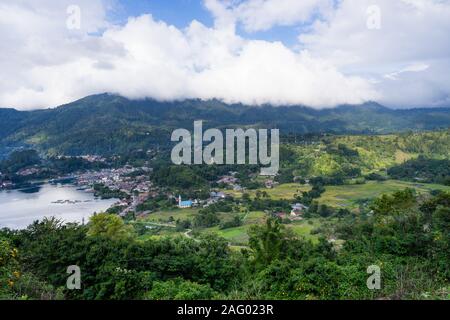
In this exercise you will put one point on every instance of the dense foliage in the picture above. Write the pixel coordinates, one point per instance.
(108, 124)
(405, 235)
(42, 168)
(106, 193)
(341, 158)
(18, 160)
(423, 170)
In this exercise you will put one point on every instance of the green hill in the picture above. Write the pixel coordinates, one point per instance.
(108, 124)
(353, 155)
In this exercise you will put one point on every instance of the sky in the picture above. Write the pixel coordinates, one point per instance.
(318, 53)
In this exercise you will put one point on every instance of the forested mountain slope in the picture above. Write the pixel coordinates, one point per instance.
(108, 124)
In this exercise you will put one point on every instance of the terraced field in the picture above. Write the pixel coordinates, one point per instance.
(348, 195)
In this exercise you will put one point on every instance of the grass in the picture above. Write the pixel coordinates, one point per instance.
(401, 156)
(161, 234)
(238, 235)
(255, 217)
(336, 196)
(347, 196)
(164, 216)
(304, 228)
(283, 191)
(37, 139)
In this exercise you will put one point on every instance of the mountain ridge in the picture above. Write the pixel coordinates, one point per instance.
(107, 123)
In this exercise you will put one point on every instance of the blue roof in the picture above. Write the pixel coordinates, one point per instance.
(186, 203)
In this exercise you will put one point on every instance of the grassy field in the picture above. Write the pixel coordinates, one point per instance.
(239, 235)
(303, 228)
(255, 217)
(347, 196)
(164, 216)
(163, 232)
(236, 236)
(283, 191)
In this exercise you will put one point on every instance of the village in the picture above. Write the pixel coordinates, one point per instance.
(133, 188)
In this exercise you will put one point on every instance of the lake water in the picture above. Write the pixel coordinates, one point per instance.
(19, 208)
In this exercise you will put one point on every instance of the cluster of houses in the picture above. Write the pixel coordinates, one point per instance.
(297, 212)
(89, 158)
(6, 184)
(29, 171)
(270, 184)
(133, 202)
(230, 181)
(118, 179)
(214, 197)
(137, 186)
(93, 158)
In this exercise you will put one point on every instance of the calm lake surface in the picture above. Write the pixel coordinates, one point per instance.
(19, 208)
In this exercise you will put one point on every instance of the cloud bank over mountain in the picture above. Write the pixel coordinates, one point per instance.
(397, 53)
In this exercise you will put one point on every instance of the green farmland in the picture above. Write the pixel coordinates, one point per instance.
(347, 196)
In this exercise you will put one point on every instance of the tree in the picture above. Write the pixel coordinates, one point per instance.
(109, 226)
(206, 219)
(267, 241)
(394, 204)
(19, 160)
(325, 211)
(9, 272)
(179, 289)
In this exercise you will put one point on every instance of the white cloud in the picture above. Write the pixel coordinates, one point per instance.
(35, 37)
(412, 68)
(412, 33)
(148, 58)
(261, 15)
(338, 60)
(270, 73)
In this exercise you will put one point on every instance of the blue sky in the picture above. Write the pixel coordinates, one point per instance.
(181, 13)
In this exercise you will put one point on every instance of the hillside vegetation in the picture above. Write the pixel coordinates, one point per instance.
(108, 124)
(278, 263)
(351, 156)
